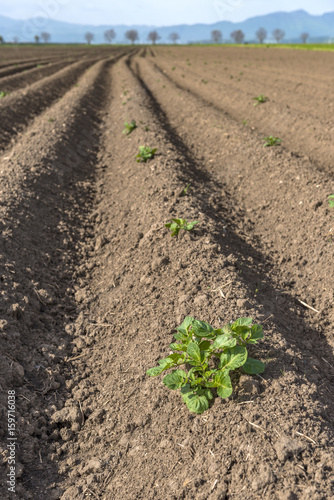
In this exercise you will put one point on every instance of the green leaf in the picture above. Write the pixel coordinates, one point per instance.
(243, 322)
(180, 336)
(202, 329)
(171, 361)
(224, 385)
(204, 345)
(178, 347)
(233, 358)
(180, 222)
(331, 200)
(253, 366)
(194, 352)
(153, 372)
(196, 381)
(191, 225)
(197, 403)
(208, 394)
(256, 334)
(175, 380)
(224, 341)
(187, 322)
(225, 329)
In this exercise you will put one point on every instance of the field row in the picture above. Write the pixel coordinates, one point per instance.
(94, 296)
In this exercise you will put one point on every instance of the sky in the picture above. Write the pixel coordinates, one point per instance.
(155, 12)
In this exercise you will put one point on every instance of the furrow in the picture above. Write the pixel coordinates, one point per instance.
(19, 108)
(280, 194)
(20, 81)
(14, 69)
(47, 189)
(137, 285)
(285, 111)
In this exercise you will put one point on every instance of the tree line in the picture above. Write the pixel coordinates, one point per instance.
(261, 34)
(132, 36)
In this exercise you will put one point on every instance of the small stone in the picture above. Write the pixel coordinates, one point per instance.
(93, 465)
(72, 492)
(67, 414)
(66, 434)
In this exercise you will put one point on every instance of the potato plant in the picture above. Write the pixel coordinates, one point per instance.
(177, 224)
(145, 153)
(129, 127)
(260, 99)
(271, 141)
(212, 354)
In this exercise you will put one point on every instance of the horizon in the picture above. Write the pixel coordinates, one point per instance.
(147, 13)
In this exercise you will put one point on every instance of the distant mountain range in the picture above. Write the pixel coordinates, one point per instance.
(320, 29)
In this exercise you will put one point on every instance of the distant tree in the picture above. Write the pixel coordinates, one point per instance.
(16, 39)
(89, 37)
(45, 37)
(153, 36)
(36, 37)
(1, 40)
(132, 35)
(304, 37)
(109, 35)
(174, 37)
(216, 36)
(238, 36)
(261, 35)
(278, 34)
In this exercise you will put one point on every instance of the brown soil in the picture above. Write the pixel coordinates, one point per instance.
(93, 285)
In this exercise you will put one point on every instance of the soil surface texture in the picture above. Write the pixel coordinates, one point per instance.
(93, 286)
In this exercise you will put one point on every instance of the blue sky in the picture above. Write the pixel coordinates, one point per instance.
(157, 12)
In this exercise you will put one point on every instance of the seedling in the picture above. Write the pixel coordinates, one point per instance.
(145, 153)
(185, 190)
(177, 224)
(213, 354)
(129, 127)
(331, 200)
(3, 93)
(260, 99)
(271, 141)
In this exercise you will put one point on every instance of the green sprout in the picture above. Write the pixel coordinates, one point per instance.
(260, 99)
(331, 200)
(129, 127)
(3, 93)
(212, 354)
(145, 153)
(177, 224)
(271, 141)
(185, 190)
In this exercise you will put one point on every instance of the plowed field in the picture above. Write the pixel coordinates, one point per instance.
(93, 286)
